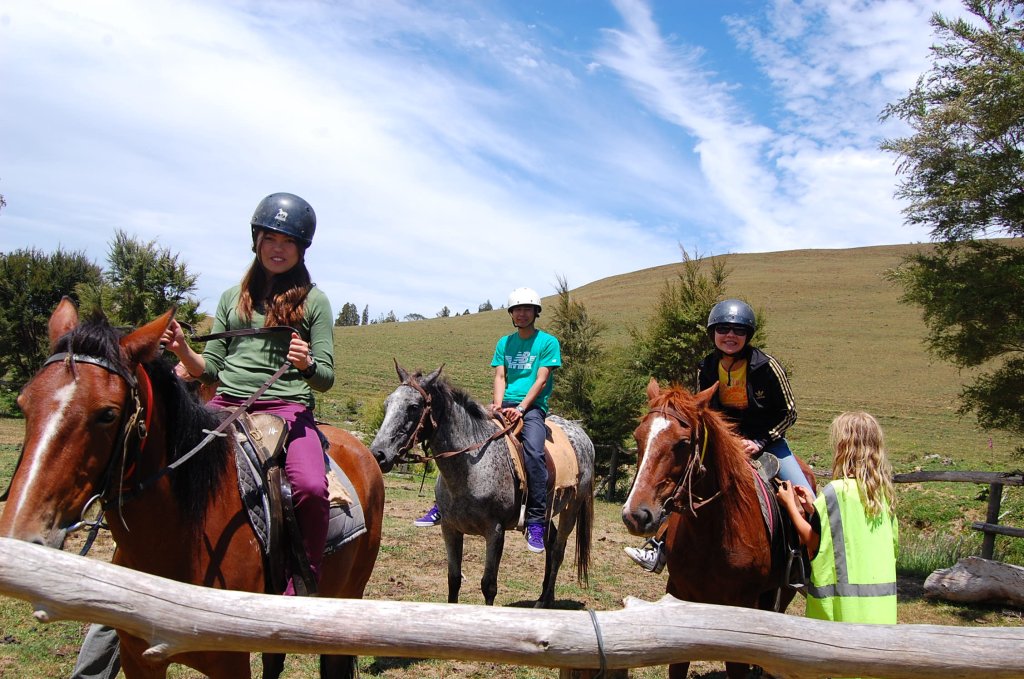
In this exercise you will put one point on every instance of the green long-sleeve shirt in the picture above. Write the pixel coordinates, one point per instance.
(243, 364)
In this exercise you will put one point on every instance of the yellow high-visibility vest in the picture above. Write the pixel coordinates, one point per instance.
(853, 575)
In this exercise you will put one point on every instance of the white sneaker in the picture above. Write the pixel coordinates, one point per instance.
(651, 559)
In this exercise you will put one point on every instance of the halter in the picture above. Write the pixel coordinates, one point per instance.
(405, 453)
(694, 468)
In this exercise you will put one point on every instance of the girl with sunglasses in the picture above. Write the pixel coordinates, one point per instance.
(753, 391)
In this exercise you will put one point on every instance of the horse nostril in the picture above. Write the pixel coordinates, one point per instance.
(382, 460)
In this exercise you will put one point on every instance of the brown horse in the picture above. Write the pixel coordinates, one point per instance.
(693, 473)
(103, 417)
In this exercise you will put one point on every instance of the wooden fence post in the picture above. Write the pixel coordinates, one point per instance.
(995, 498)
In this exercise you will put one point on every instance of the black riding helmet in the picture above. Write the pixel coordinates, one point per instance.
(285, 213)
(733, 312)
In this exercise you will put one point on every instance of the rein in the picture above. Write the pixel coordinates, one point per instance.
(405, 453)
(694, 467)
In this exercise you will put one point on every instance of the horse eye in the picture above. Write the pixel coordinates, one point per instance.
(107, 416)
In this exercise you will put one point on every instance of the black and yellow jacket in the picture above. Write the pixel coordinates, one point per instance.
(770, 409)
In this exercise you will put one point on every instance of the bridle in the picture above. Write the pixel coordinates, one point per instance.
(683, 494)
(130, 442)
(427, 416)
(405, 453)
(133, 433)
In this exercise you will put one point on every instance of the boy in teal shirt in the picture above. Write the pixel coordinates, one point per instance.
(524, 364)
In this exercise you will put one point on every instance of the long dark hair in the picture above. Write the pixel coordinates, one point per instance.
(284, 304)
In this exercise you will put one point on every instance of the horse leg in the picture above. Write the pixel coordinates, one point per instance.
(495, 548)
(273, 665)
(678, 670)
(453, 541)
(337, 666)
(554, 553)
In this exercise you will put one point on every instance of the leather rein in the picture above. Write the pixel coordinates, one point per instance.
(405, 453)
(683, 495)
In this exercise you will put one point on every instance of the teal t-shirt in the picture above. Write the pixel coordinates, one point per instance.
(522, 359)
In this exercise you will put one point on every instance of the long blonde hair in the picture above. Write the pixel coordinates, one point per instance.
(858, 448)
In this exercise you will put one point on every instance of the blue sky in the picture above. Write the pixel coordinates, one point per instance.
(456, 150)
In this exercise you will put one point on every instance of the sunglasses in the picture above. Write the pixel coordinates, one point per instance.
(738, 330)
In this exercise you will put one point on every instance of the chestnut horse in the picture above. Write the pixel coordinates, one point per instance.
(693, 473)
(103, 417)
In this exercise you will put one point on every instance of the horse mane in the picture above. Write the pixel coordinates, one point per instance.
(185, 417)
(447, 396)
(729, 461)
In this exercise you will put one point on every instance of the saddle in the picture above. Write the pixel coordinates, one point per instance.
(266, 494)
(790, 564)
(563, 469)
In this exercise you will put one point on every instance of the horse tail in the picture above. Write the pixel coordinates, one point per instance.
(584, 532)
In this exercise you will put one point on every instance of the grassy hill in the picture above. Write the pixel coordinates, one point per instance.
(833, 320)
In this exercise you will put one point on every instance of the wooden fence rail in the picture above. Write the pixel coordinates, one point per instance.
(175, 617)
(995, 480)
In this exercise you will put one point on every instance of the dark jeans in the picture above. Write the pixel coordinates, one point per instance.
(533, 435)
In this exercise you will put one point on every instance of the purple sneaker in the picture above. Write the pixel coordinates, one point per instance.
(431, 518)
(535, 537)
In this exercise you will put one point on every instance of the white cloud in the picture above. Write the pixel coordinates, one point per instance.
(452, 151)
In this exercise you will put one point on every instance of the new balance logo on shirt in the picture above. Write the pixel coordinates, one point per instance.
(521, 361)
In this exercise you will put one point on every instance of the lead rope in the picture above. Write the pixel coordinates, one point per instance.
(600, 644)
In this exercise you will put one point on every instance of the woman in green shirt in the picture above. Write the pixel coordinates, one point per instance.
(276, 291)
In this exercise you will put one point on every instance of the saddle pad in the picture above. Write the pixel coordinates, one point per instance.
(345, 523)
(563, 468)
(563, 459)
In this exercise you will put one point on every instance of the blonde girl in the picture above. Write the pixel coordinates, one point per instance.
(850, 530)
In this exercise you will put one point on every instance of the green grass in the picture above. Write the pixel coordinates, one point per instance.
(920, 554)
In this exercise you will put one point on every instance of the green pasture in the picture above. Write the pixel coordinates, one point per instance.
(833, 321)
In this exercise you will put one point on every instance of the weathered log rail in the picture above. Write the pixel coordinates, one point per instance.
(995, 480)
(175, 617)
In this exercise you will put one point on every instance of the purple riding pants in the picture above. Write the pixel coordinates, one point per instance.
(304, 466)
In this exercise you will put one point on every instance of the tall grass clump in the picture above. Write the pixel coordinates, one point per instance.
(920, 555)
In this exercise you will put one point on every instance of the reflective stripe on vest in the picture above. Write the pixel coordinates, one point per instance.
(843, 587)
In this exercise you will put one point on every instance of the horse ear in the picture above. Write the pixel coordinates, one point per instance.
(704, 397)
(653, 389)
(62, 321)
(403, 376)
(429, 379)
(144, 344)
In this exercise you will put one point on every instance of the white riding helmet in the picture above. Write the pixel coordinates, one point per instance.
(521, 296)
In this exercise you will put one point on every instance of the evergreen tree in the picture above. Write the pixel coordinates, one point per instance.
(348, 316)
(142, 281)
(31, 285)
(486, 306)
(366, 314)
(961, 175)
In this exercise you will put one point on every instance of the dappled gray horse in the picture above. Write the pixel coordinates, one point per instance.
(476, 490)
